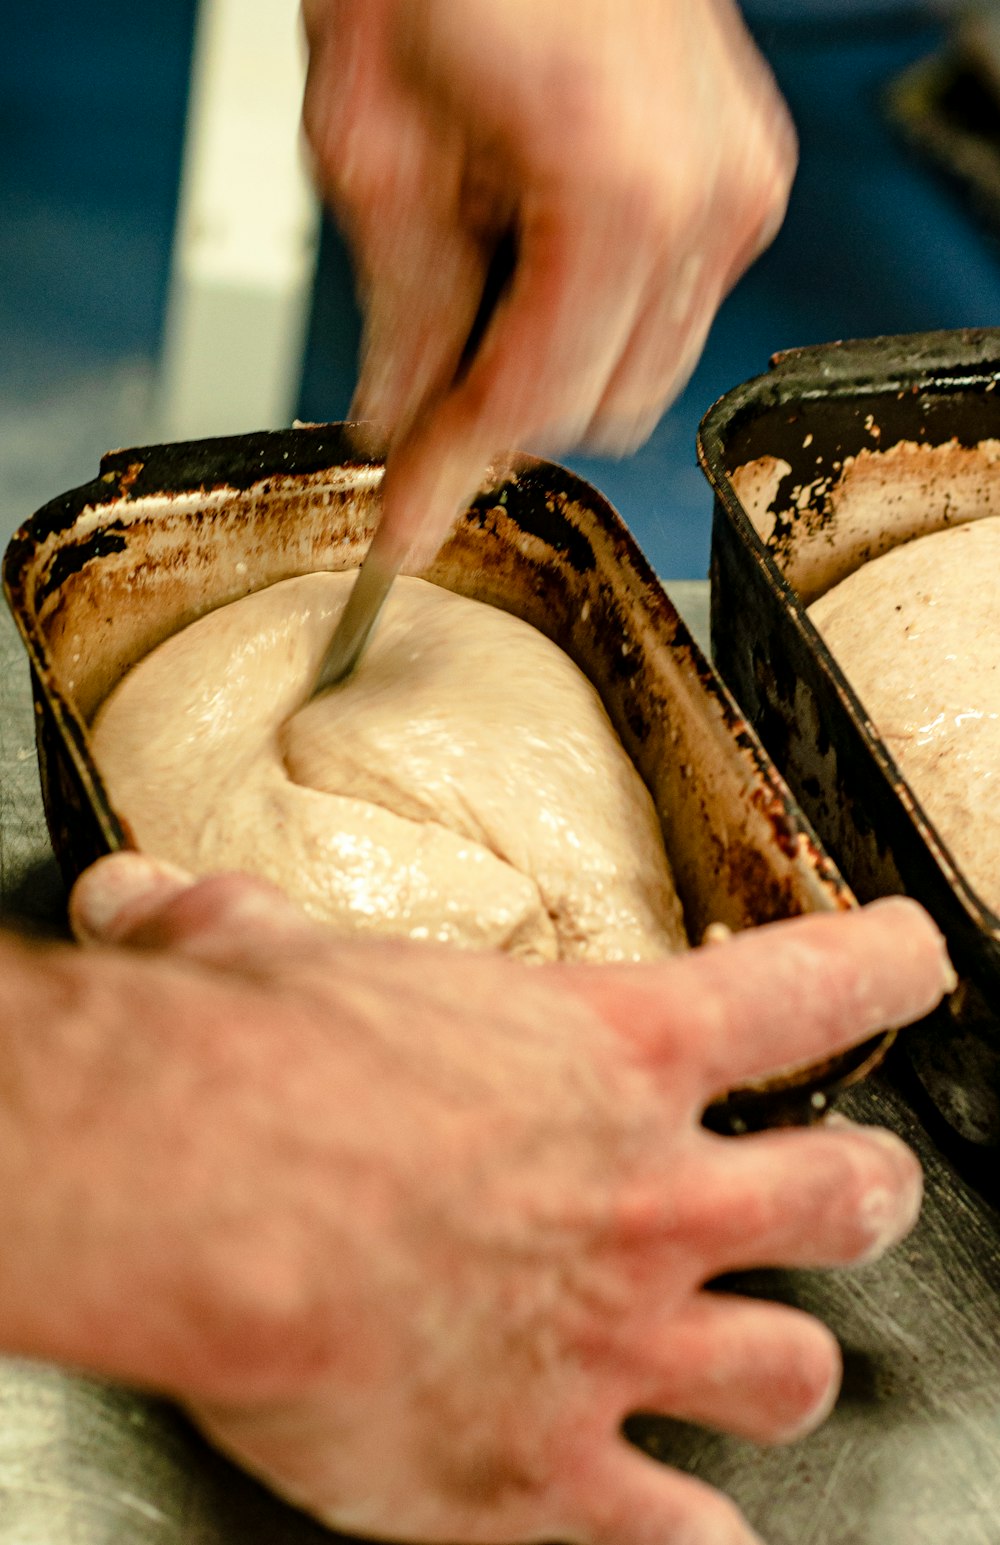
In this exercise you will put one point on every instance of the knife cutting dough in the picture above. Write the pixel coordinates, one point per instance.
(465, 785)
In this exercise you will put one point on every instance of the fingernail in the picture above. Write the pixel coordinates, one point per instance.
(730, 1528)
(949, 977)
(818, 1414)
(888, 1212)
(887, 1218)
(115, 886)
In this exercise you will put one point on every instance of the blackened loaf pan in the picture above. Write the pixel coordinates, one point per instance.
(834, 456)
(167, 533)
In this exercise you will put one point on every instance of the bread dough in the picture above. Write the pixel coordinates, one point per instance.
(916, 633)
(465, 785)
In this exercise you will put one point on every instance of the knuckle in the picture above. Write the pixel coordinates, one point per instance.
(256, 1319)
(571, 119)
(357, 185)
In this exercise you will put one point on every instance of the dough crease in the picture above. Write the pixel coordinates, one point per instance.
(464, 786)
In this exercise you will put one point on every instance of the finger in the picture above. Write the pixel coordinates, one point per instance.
(119, 890)
(626, 1499)
(813, 985)
(230, 920)
(781, 996)
(424, 303)
(746, 197)
(658, 360)
(537, 377)
(770, 158)
(417, 315)
(421, 279)
(226, 919)
(429, 479)
(755, 1369)
(396, 186)
(824, 1196)
(426, 273)
(545, 362)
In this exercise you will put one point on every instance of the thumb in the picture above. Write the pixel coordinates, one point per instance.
(115, 895)
(228, 920)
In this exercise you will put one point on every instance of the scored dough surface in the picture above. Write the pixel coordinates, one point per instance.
(916, 633)
(465, 785)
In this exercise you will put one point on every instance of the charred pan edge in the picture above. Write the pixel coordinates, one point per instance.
(929, 372)
(235, 462)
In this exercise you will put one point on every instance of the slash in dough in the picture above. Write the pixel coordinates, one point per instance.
(465, 785)
(916, 633)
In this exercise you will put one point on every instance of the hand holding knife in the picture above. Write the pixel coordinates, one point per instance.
(391, 545)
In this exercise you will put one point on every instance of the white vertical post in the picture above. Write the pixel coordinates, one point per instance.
(245, 245)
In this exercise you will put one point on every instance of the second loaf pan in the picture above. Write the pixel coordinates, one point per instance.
(836, 455)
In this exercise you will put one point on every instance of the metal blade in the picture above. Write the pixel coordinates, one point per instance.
(357, 620)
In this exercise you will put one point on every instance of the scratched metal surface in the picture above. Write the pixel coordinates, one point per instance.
(911, 1455)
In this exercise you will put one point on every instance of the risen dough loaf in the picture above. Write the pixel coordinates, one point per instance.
(916, 632)
(465, 785)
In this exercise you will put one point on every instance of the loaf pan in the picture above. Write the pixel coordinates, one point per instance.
(834, 456)
(167, 533)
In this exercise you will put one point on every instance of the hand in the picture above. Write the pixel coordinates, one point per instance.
(641, 154)
(412, 1230)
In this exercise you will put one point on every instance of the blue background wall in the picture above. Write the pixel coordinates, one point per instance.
(92, 101)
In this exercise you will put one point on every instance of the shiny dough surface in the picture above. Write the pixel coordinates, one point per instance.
(465, 785)
(917, 632)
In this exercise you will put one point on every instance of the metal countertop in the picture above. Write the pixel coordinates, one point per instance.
(910, 1456)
